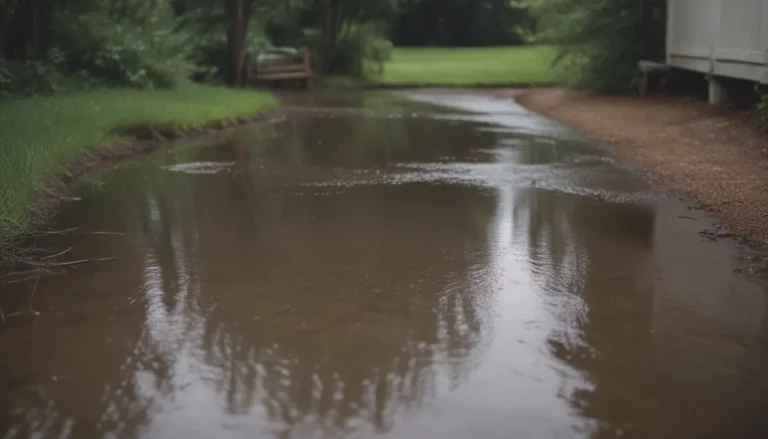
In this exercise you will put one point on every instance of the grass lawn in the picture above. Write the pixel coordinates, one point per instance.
(40, 136)
(515, 65)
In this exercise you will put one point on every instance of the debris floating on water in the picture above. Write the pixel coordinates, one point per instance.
(201, 167)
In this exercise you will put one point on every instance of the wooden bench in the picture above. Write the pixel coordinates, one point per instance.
(301, 71)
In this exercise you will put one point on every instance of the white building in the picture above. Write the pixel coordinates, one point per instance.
(720, 38)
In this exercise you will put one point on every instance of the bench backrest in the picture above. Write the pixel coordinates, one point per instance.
(304, 65)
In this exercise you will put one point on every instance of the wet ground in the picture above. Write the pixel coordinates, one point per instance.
(421, 264)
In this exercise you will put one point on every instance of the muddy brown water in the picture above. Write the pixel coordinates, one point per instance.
(402, 265)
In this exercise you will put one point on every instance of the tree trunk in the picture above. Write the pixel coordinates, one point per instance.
(18, 35)
(6, 15)
(238, 18)
(325, 35)
(332, 24)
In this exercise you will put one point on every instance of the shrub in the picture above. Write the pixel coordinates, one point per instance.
(379, 51)
(601, 42)
(44, 76)
(149, 53)
(28, 78)
(99, 42)
(360, 51)
(209, 56)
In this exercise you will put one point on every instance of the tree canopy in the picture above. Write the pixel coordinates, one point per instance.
(461, 23)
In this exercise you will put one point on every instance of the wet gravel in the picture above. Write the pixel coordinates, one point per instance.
(715, 158)
(712, 157)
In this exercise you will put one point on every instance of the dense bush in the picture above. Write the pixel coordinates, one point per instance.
(360, 51)
(379, 51)
(601, 42)
(97, 43)
(146, 50)
(33, 77)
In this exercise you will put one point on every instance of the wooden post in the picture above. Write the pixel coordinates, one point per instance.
(718, 94)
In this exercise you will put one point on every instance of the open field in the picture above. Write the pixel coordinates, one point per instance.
(471, 66)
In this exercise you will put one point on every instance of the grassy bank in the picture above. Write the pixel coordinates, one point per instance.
(41, 136)
(472, 66)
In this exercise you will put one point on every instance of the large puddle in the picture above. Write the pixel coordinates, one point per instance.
(415, 265)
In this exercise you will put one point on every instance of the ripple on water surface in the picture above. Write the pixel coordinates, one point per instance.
(422, 264)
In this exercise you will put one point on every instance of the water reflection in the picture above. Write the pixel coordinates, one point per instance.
(607, 270)
(319, 348)
(251, 299)
(349, 273)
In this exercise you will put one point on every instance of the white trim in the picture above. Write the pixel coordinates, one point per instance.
(740, 55)
(670, 28)
(691, 51)
(717, 21)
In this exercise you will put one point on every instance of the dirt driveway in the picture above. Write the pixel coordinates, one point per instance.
(714, 158)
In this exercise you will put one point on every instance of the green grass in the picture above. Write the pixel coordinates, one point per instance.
(510, 66)
(41, 136)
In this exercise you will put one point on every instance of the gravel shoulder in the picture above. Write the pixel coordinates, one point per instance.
(714, 158)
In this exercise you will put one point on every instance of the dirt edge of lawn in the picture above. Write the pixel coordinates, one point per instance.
(103, 158)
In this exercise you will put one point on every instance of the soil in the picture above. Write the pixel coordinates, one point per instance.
(716, 158)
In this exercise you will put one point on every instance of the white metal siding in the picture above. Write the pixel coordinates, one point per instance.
(721, 37)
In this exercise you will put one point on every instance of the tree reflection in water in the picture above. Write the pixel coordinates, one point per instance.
(303, 312)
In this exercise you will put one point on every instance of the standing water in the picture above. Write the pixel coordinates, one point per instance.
(428, 264)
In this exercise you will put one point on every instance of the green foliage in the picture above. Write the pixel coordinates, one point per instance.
(510, 66)
(40, 136)
(208, 54)
(207, 51)
(379, 51)
(136, 48)
(462, 23)
(78, 44)
(360, 51)
(346, 32)
(29, 78)
(281, 21)
(601, 41)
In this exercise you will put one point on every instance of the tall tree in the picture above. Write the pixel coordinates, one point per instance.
(24, 28)
(238, 18)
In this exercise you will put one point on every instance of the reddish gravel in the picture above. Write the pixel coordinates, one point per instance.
(714, 158)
